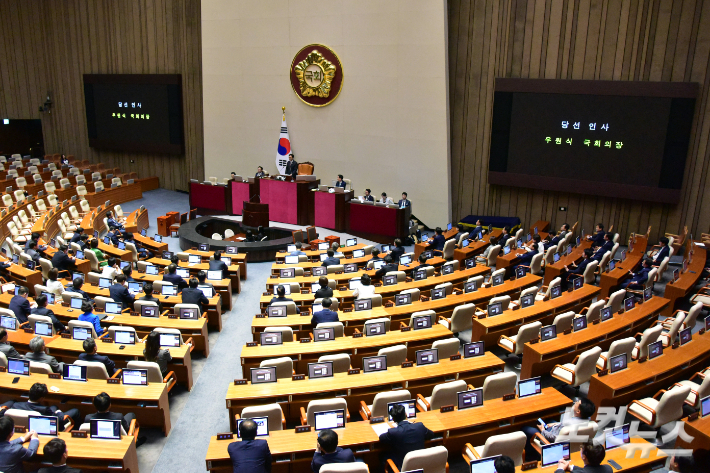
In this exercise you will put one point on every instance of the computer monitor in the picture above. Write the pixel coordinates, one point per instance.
(676, 275)
(554, 452)
(403, 299)
(291, 259)
(427, 357)
(276, 311)
(629, 303)
(529, 387)
(386, 248)
(104, 283)
(315, 308)
(548, 333)
(497, 280)
(606, 314)
(168, 254)
(484, 465)
(287, 273)
(43, 425)
(80, 254)
(112, 308)
(135, 287)
(215, 275)
(468, 399)
(363, 304)
(555, 292)
(655, 349)
(421, 321)
(323, 369)
(271, 338)
(16, 258)
(151, 270)
(623, 255)
(686, 335)
(74, 372)
(323, 246)
(351, 242)
(376, 328)
(43, 329)
(378, 264)
(334, 419)
(262, 426)
(578, 283)
(203, 247)
(231, 250)
(263, 375)
(124, 337)
(617, 363)
(495, 309)
(438, 293)
(647, 294)
(30, 265)
(53, 243)
(370, 364)
(410, 407)
(21, 367)
(287, 289)
(555, 257)
(527, 300)
(612, 266)
(144, 232)
(390, 280)
(183, 272)
(323, 334)
(168, 290)
(470, 286)
(190, 313)
(470, 263)
(169, 339)
(579, 323)
(578, 241)
(323, 256)
(150, 310)
(465, 243)
(520, 272)
(76, 302)
(290, 248)
(519, 242)
(358, 253)
(121, 246)
(569, 250)
(473, 349)
(105, 429)
(405, 259)
(319, 271)
(449, 226)
(107, 240)
(447, 269)
(80, 333)
(350, 268)
(506, 250)
(133, 377)
(616, 436)
(705, 406)
(7, 322)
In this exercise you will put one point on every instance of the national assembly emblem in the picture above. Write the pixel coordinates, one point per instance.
(316, 75)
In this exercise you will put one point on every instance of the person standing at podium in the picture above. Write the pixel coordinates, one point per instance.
(340, 182)
(291, 166)
(259, 173)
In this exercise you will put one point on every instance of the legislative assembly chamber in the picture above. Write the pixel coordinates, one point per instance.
(476, 242)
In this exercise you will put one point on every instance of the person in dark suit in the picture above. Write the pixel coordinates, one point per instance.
(37, 393)
(148, 291)
(172, 277)
(112, 222)
(639, 278)
(437, 242)
(259, 173)
(331, 259)
(504, 464)
(387, 267)
(90, 354)
(113, 236)
(281, 297)
(598, 238)
(505, 236)
(592, 455)
(526, 258)
(422, 262)
(216, 263)
(102, 403)
(202, 279)
(477, 230)
(684, 464)
(77, 235)
(559, 237)
(83, 242)
(607, 246)
(327, 451)
(325, 315)
(12, 453)
(128, 272)
(119, 292)
(368, 196)
(62, 261)
(663, 252)
(576, 270)
(340, 182)
(291, 166)
(55, 452)
(7, 349)
(76, 285)
(404, 438)
(249, 455)
(397, 251)
(325, 290)
(20, 305)
(404, 202)
(32, 252)
(192, 295)
(41, 309)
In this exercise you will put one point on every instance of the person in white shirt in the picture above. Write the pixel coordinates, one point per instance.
(366, 289)
(111, 270)
(54, 286)
(385, 199)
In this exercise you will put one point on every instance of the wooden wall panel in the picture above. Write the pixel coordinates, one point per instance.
(47, 46)
(639, 40)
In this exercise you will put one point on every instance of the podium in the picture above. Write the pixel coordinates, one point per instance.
(255, 214)
(332, 210)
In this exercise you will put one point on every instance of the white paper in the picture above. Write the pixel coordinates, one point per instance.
(380, 428)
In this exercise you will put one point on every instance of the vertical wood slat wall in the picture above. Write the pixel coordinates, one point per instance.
(630, 40)
(46, 46)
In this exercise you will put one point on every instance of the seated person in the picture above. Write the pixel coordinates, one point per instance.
(640, 277)
(83, 242)
(404, 438)
(119, 292)
(281, 297)
(128, 272)
(35, 238)
(387, 267)
(505, 236)
(91, 354)
(112, 221)
(592, 456)
(260, 234)
(142, 252)
(112, 269)
(62, 261)
(526, 258)
(397, 251)
(367, 196)
(504, 464)
(192, 295)
(340, 182)
(39, 354)
(249, 236)
(477, 230)
(607, 246)
(336, 247)
(55, 452)
(87, 309)
(564, 229)
(98, 253)
(327, 451)
(32, 251)
(493, 241)
(76, 286)
(202, 279)
(76, 237)
(325, 315)
(366, 290)
(251, 455)
(148, 291)
(12, 453)
(259, 173)
(436, 243)
(102, 403)
(7, 349)
(37, 393)
(663, 252)
(20, 306)
(54, 286)
(298, 251)
(216, 264)
(42, 309)
(423, 262)
(325, 290)
(582, 411)
(385, 200)
(576, 270)
(684, 464)
(113, 236)
(172, 277)
(331, 259)
(404, 202)
(375, 255)
(154, 353)
(598, 238)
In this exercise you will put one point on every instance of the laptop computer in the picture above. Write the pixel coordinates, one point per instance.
(554, 452)
(80, 333)
(74, 372)
(133, 377)
(410, 407)
(105, 429)
(21, 367)
(484, 465)
(271, 338)
(616, 436)
(43, 425)
(529, 387)
(124, 337)
(169, 339)
(262, 426)
(43, 329)
(334, 419)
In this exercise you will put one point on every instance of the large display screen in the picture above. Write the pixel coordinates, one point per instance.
(134, 112)
(616, 139)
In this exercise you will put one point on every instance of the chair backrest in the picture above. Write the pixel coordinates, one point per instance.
(652, 275)
(504, 299)
(386, 320)
(396, 355)
(338, 327)
(34, 318)
(670, 406)
(154, 373)
(272, 411)
(563, 321)
(286, 332)
(588, 275)
(497, 385)
(619, 347)
(430, 460)
(692, 315)
(323, 405)
(290, 307)
(455, 263)
(94, 369)
(20, 416)
(42, 368)
(578, 434)
(447, 348)
(401, 275)
(3, 360)
(430, 313)
(604, 262)
(613, 249)
(447, 285)
(341, 362)
(462, 318)
(586, 365)
(615, 300)
(93, 261)
(283, 365)
(379, 404)
(86, 325)
(525, 292)
(449, 247)
(511, 444)
(536, 263)
(650, 335)
(415, 292)
(498, 272)
(492, 255)
(526, 333)
(445, 393)
(595, 310)
(334, 268)
(550, 254)
(675, 327)
(664, 265)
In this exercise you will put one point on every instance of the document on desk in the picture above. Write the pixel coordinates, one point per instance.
(380, 428)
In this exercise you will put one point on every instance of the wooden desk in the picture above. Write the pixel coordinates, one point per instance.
(540, 358)
(137, 221)
(508, 323)
(378, 220)
(276, 268)
(474, 248)
(293, 452)
(23, 276)
(541, 225)
(511, 259)
(554, 270)
(117, 195)
(314, 255)
(641, 380)
(289, 202)
(150, 244)
(610, 280)
(223, 287)
(357, 348)
(292, 395)
(90, 454)
(232, 271)
(331, 210)
(686, 281)
(239, 259)
(149, 403)
(699, 429)
(68, 351)
(420, 248)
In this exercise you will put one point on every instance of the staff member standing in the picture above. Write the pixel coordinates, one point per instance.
(291, 166)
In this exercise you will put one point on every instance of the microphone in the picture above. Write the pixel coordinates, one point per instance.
(255, 195)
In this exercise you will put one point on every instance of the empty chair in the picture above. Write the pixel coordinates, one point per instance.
(290, 307)
(338, 327)
(98, 186)
(116, 182)
(650, 335)
(442, 395)
(505, 301)
(447, 286)
(21, 182)
(697, 391)
(563, 321)
(415, 292)
(593, 312)
(656, 412)
(81, 190)
(277, 421)
(423, 313)
(616, 299)
(283, 365)
(429, 460)
(308, 414)
(379, 404)
(94, 369)
(448, 251)
(497, 272)
(461, 318)
(514, 345)
(550, 255)
(447, 348)
(511, 444)
(333, 268)
(498, 385)
(64, 183)
(578, 373)
(690, 317)
(544, 293)
(618, 347)
(396, 355)
(7, 200)
(525, 292)
(668, 335)
(341, 362)
(401, 275)
(96, 176)
(52, 200)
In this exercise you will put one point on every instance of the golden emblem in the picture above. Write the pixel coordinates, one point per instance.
(315, 75)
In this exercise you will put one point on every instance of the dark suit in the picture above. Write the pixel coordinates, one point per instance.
(386, 269)
(9, 351)
(638, 279)
(404, 203)
(120, 294)
(662, 253)
(259, 175)
(58, 469)
(283, 299)
(396, 253)
(62, 262)
(340, 455)
(176, 280)
(21, 307)
(75, 238)
(12, 454)
(589, 469)
(554, 241)
(437, 244)
(581, 267)
(526, 258)
(325, 315)
(48, 411)
(79, 291)
(405, 438)
(607, 246)
(598, 239)
(324, 292)
(216, 265)
(153, 299)
(105, 360)
(340, 184)
(125, 420)
(330, 261)
(292, 168)
(195, 296)
(369, 198)
(58, 326)
(44, 358)
(250, 456)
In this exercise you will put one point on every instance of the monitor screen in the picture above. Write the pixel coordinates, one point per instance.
(467, 399)
(647, 293)
(231, 250)
(555, 292)
(548, 333)
(447, 269)
(190, 313)
(617, 363)
(323, 246)
(351, 242)
(371, 364)
(520, 272)
(74, 372)
(705, 406)
(7, 322)
(403, 299)
(629, 303)
(105, 429)
(80, 333)
(497, 280)
(484, 465)
(43, 328)
(527, 300)
(314, 287)
(427, 357)
(470, 263)
(183, 272)
(226, 260)
(323, 256)
(616, 436)
(262, 426)
(421, 321)
(271, 338)
(134, 377)
(655, 349)
(330, 419)
(151, 270)
(686, 335)
(386, 248)
(606, 314)
(315, 308)
(43, 425)
(79, 254)
(358, 253)
(438, 293)
(495, 309)
(506, 250)
(168, 290)
(405, 259)
(350, 268)
(554, 452)
(107, 240)
(263, 375)
(150, 310)
(410, 408)
(135, 287)
(529, 387)
(124, 337)
(169, 339)
(390, 280)
(578, 283)
(112, 308)
(104, 283)
(122, 246)
(376, 328)
(214, 275)
(290, 248)
(363, 304)
(203, 247)
(556, 257)
(144, 232)
(473, 349)
(276, 311)
(420, 274)
(470, 286)
(323, 334)
(352, 284)
(319, 271)
(322, 369)
(378, 264)
(579, 323)
(292, 259)
(15, 366)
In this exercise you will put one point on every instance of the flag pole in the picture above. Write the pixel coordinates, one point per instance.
(283, 110)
